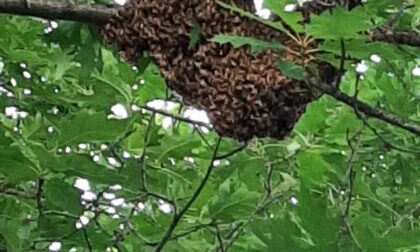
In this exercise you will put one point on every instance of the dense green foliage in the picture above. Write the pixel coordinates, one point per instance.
(338, 183)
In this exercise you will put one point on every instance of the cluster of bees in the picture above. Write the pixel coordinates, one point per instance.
(244, 93)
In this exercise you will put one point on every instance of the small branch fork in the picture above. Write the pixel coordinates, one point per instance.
(366, 109)
(178, 216)
(351, 175)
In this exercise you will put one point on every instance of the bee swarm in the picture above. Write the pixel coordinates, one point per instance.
(244, 94)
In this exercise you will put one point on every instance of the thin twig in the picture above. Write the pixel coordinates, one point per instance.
(365, 121)
(88, 243)
(236, 232)
(18, 194)
(39, 196)
(179, 216)
(198, 130)
(269, 181)
(183, 234)
(267, 200)
(401, 219)
(393, 21)
(351, 233)
(219, 238)
(231, 153)
(351, 173)
(142, 161)
(67, 215)
(342, 69)
(177, 117)
(386, 142)
(161, 197)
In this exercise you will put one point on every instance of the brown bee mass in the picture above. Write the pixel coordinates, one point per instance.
(244, 94)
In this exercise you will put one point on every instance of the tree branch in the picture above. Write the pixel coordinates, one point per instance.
(365, 108)
(401, 37)
(60, 10)
(179, 216)
(176, 117)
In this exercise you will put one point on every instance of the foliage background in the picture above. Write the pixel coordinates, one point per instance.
(340, 182)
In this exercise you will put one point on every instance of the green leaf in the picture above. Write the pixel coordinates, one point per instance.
(174, 147)
(293, 20)
(313, 168)
(233, 204)
(276, 25)
(291, 70)
(54, 191)
(341, 24)
(15, 167)
(256, 45)
(154, 86)
(88, 127)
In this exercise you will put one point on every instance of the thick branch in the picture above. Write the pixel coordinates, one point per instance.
(400, 37)
(367, 109)
(58, 10)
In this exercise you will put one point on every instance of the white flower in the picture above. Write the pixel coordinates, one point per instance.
(55, 246)
(88, 196)
(23, 114)
(416, 71)
(126, 155)
(113, 162)
(11, 112)
(294, 201)
(290, 7)
(26, 74)
(67, 149)
(84, 220)
(53, 24)
(96, 158)
(108, 196)
(82, 184)
(82, 146)
(117, 201)
(115, 187)
(27, 91)
(361, 67)
(165, 207)
(375, 58)
(79, 225)
(110, 210)
(13, 82)
(141, 206)
(118, 112)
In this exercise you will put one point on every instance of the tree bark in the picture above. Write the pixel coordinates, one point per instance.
(58, 10)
